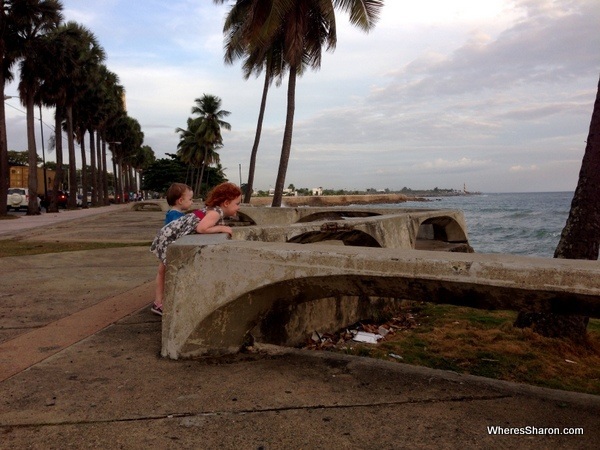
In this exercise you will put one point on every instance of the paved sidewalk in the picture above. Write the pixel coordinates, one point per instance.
(80, 368)
(24, 222)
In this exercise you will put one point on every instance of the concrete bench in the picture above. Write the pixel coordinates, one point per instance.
(368, 227)
(218, 290)
(149, 206)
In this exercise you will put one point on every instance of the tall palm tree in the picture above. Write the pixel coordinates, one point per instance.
(86, 55)
(208, 131)
(33, 19)
(110, 108)
(9, 51)
(190, 151)
(128, 133)
(304, 27)
(238, 22)
(580, 238)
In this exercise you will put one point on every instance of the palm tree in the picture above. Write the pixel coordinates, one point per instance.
(33, 19)
(86, 56)
(9, 51)
(580, 238)
(110, 108)
(128, 133)
(207, 130)
(304, 27)
(237, 23)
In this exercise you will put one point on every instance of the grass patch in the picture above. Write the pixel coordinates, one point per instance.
(12, 247)
(484, 343)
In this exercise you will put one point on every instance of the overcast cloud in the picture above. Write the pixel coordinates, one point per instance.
(494, 94)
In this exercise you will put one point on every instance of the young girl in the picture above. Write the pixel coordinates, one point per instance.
(223, 200)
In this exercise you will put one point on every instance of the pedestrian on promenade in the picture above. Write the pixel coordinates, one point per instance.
(222, 201)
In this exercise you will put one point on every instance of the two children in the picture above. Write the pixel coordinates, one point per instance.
(223, 200)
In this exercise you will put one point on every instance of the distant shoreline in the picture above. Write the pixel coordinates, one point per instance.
(337, 200)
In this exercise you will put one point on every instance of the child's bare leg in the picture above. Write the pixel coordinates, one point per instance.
(160, 285)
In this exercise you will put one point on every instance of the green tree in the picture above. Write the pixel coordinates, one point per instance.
(9, 52)
(190, 151)
(303, 27)
(239, 33)
(126, 135)
(33, 19)
(207, 130)
(18, 158)
(159, 175)
(109, 109)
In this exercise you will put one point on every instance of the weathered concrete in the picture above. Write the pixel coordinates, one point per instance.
(112, 390)
(218, 290)
(367, 227)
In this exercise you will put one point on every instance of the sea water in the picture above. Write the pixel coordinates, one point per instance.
(519, 223)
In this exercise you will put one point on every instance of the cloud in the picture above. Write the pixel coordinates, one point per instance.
(438, 94)
(519, 168)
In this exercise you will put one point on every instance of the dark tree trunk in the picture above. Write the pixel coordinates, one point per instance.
(93, 170)
(261, 115)
(105, 174)
(84, 180)
(287, 139)
(72, 202)
(580, 238)
(99, 170)
(4, 170)
(32, 208)
(58, 177)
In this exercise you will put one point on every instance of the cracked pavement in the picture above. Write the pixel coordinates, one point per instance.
(80, 368)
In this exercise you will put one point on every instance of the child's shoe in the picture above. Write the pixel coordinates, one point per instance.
(156, 309)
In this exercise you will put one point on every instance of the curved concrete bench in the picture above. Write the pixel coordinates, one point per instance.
(370, 227)
(219, 290)
(149, 206)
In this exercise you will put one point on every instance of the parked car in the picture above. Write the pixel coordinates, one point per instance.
(18, 198)
(61, 200)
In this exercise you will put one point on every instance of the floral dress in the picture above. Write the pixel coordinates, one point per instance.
(177, 228)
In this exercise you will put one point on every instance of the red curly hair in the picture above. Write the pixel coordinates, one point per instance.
(222, 193)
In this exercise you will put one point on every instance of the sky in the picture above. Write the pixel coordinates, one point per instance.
(493, 95)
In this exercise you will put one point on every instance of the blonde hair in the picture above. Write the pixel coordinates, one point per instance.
(175, 192)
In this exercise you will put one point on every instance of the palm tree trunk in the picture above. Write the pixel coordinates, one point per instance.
(120, 180)
(580, 238)
(115, 177)
(105, 174)
(58, 176)
(72, 202)
(4, 170)
(200, 177)
(93, 170)
(287, 139)
(84, 180)
(261, 115)
(100, 170)
(32, 207)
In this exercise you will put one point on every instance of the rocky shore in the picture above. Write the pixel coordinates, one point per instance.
(336, 200)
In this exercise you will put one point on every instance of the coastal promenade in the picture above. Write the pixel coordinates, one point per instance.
(80, 368)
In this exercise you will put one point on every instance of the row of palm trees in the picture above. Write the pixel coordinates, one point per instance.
(286, 36)
(61, 66)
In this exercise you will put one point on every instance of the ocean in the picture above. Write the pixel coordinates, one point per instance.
(526, 224)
